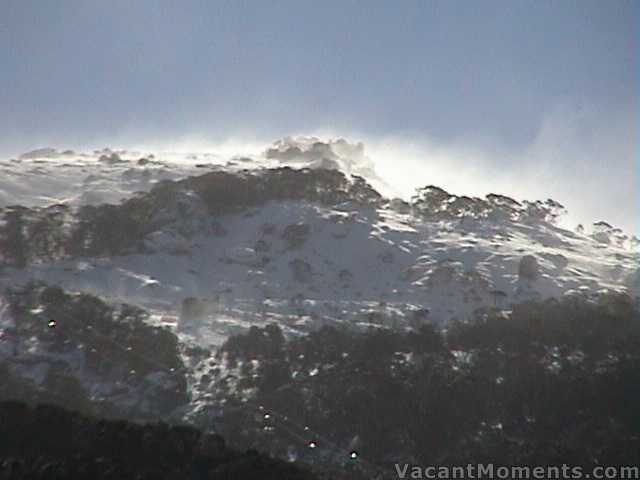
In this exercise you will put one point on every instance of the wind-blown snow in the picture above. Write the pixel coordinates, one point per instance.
(354, 264)
(297, 263)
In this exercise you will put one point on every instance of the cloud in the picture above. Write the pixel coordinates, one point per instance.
(583, 156)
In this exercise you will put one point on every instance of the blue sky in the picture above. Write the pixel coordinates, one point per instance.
(500, 81)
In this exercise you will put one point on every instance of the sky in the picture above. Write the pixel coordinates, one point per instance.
(532, 99)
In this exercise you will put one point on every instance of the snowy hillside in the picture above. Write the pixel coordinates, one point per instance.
(295, 261)
(48, 176)
(296, 235)
(304, 262)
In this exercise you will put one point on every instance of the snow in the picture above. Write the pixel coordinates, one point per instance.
(350, 262)
(360, 266)
(81, 179)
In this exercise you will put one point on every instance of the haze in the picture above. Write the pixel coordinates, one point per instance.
(531, 99)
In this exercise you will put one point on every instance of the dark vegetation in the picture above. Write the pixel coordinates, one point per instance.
(32, 235)
(48, 442)
(74, 337)
(435, 203)
(556, 382)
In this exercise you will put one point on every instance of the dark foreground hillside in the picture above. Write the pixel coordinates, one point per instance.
(549, 383)
(47, 442)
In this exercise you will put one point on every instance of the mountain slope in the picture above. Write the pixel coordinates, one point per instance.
(306, 246)
(209, 246)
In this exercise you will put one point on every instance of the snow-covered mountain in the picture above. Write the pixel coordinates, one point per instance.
(296, 235)
(48, 176)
